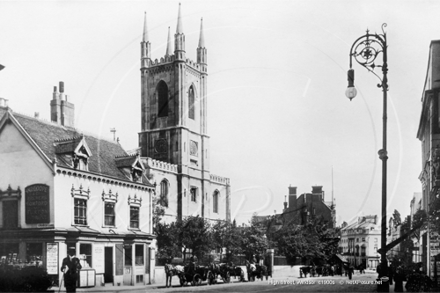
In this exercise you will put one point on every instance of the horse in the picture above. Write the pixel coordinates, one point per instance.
(305, 270)
(171, 271)
(255, 271)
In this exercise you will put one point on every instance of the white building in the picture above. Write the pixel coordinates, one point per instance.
(360, 241)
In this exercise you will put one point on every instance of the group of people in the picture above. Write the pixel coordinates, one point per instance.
(416, 280)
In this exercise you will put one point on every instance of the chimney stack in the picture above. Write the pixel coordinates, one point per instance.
(61, 111)
(3, 103)
(292, 198)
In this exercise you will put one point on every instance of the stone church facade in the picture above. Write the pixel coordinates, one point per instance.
(174, 140)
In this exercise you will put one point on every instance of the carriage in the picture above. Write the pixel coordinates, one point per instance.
(195, 275)
(256, 270)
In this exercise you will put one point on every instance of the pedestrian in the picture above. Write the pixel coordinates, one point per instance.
(399, 277)
(350, 271)
(70, 268)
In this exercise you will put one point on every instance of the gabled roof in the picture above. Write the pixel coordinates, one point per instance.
(50, 137)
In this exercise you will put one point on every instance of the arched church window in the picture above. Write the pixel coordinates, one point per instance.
(215, 201)
(191, 100)
(162, 93)
(164, 193)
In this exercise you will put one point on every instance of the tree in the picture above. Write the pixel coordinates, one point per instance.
(168, 243)
(226, 235)
(253, 239)
(195, 235)
(312, 242)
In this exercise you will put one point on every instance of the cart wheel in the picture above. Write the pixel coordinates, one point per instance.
(210, 277)
(228, 278)
(197, 279)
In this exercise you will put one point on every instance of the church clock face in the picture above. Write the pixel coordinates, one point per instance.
(160, 146)
(194, 148)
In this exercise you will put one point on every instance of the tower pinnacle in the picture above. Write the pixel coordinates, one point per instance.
(179, 23)
(145, 35)
(169, 51)
(202, 37)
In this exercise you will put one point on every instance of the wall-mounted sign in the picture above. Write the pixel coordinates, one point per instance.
(37, 204)
(98, 254)
(52, 258)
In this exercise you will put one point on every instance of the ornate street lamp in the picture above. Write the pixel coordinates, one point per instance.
(365, 50)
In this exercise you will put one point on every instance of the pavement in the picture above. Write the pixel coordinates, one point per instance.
(288, 274)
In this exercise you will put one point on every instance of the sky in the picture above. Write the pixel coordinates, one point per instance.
(277, 111)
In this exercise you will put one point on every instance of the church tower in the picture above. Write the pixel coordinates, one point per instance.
(174, 110)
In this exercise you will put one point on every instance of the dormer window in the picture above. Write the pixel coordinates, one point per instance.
(131, 167)
(74, 151)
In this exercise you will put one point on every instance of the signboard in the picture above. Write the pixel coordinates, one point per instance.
(86, 278)
(37, 204)
(52, 258)
(98, 261)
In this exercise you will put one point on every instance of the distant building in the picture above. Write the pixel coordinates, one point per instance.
(360, 241)
(308, 205)
(393, 233)
(429, 135)
(415, 206)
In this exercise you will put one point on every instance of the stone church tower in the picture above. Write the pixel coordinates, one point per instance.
(174, 112)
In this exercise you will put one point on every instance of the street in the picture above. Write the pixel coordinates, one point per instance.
(359, 283)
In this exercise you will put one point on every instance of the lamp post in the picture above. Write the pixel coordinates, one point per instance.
(365, 50)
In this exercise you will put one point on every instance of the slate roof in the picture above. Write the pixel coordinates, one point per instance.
(45, 134)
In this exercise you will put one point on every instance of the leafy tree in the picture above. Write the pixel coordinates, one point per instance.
(253, 239)
(404, 256)
(195, 235)
(226, 235)
(167, 241)
(312, 242)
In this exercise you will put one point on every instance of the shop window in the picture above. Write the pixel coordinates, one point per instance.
(34, 252)
(109, 200)
(134, 204)
(85, 253)
(80, 197)
(139, 254)
(10, 200)
(9, 253)
(215, 201)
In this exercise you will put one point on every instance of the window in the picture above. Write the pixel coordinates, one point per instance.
(34, 252)
(162, 92)
(191, 100)
(164, 193)
(109, 200)
(139, 255)
(109, 214)
(80, 197)
(193, 192)
(10, 202)
(10, 214)
(80, 211)
(215, 201)
(134, 217)
(85, 253)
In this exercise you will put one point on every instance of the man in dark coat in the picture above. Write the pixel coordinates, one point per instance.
(70, 268)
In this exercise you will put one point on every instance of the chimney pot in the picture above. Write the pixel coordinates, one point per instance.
(37, 115)
(61, 86)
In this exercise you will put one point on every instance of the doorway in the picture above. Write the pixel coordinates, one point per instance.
(108, 270)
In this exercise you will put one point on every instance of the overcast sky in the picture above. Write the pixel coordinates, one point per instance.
(278, 114)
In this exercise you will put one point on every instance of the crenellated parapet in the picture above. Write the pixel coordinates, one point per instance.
(159, 165)
(219, 179)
